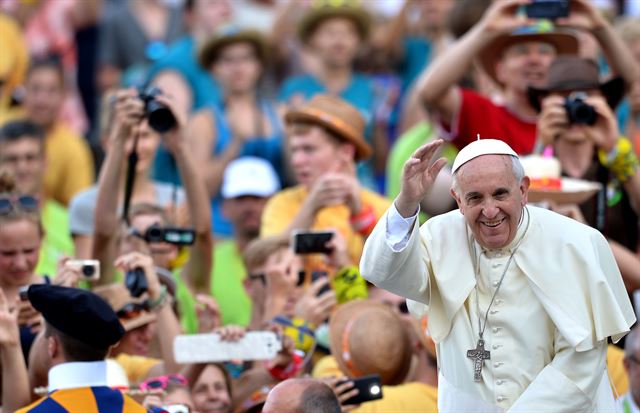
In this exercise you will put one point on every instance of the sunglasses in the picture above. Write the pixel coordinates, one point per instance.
(132, 310)
(161, 383)
(9, 203)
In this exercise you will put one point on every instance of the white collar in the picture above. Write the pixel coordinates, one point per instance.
(78, 374)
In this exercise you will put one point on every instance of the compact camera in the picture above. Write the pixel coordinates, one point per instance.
(159, 116)
(90, 269)
(578, 111)
(136, 282)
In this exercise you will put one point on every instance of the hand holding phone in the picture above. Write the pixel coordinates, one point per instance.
(369, 389)
(311, 242)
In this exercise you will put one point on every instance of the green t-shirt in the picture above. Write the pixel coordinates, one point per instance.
(227, 287)
(57, 241)
(186, 304)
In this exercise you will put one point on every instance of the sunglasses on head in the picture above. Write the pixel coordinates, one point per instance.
(132, 310)
(9, 203)
(161, 383)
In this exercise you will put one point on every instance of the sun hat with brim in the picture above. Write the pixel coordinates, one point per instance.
(229, 35)
(324, 9)
(337, 116)
(367, 337)
(573, 73)
(563, 41)
(118, 296)
(481, 147)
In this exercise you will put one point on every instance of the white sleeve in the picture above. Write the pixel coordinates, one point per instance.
(398, 228)
(572, 382)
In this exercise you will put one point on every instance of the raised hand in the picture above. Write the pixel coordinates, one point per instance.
(553, 120)
(128, 111)
(9, 333)
(502, 17)
(418, 176)
(584, 16)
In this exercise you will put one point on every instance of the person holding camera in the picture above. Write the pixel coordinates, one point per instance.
(131, 114)
(515, 51)
(577, 118)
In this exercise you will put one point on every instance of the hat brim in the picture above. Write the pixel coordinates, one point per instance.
(311, 20)
(613, 91)
(142, 320)
(211, 49)
(336, 126)
(563, 42)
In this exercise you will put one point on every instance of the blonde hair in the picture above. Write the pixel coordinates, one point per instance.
(259, 250)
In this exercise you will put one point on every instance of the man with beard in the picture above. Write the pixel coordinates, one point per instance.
(516, 53)
(248, 183)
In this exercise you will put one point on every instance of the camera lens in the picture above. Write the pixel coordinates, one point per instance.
(88, 270)
(160, 117)
(154, 234)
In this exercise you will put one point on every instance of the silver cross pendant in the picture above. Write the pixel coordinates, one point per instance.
(478, 355)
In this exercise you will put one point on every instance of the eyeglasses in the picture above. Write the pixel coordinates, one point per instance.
(9, 203)
(163, 381)
(132, 310)
(263, 278)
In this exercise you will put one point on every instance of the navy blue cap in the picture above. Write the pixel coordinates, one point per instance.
(78, 313)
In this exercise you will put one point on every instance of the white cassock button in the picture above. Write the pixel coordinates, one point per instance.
(498, 301)
(495, 329)
(499, 382)
(500, 398)
(497, 364)
(495, 265)
(496, 346)
(493, 312)
(495, 283)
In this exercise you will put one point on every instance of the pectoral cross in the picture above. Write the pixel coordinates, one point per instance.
(478, 355)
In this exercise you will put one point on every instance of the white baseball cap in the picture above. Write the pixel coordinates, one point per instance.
(251, 176)
(481, 147)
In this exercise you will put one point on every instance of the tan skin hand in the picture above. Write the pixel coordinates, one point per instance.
(9, 332)
(208, 312)
(418, 175)
(582, 15)
(134, 260)
(502, 17)
(553, 120)
(344, 390)
(127, 114)
(605, 133)
(316, 309)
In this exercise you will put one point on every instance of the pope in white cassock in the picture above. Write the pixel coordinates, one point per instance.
(521, 300)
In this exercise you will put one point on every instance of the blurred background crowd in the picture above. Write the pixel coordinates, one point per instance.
(164, 153)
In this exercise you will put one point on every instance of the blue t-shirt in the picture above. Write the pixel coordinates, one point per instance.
(417, 54)
(182, 57)
(360, 92)
(269, 148)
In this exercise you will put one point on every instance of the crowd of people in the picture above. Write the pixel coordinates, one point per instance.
(340, 176)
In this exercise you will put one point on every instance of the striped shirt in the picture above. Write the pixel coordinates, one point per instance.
(99, 399)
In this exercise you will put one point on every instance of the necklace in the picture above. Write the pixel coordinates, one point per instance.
(479, 354)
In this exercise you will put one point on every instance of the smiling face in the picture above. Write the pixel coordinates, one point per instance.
(491, 199)
(210, 393)
(525, 64)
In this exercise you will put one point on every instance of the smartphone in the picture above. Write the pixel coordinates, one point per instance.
(547, 9)
(311, 242)
(316, 275)
(22, 292)
(208, 348)
(90, 269)
(176, 408)
(369, 389)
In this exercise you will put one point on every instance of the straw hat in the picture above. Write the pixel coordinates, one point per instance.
(326, 9)
(229, 35)
(563, 41)
(118, 296)
(368, 337)
(337, 116)
(568, 73)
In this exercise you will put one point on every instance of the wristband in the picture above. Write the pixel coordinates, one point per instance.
(364, 221)
(284, 373)
(157, 305)
(621, 161)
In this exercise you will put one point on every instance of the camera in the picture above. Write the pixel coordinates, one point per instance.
(578, 111)
(90, 269)
(159, 116)
(136, 282)
(547, 9)
(172, 235)
(23, 293)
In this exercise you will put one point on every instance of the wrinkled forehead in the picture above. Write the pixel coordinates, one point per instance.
(486, 169)
(518, 48)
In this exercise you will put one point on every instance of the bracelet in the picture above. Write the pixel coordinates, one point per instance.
(284, 373)
(364, 221)
(622, 161)
(157, 305)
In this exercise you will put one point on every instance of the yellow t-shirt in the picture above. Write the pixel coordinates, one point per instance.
(136, 367)
(408, 397)
(617, 373)
(285, 205)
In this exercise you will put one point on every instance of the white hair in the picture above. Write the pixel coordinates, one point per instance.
(516, 166)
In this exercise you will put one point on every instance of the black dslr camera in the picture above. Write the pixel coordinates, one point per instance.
(159, 116)
(136, 282)
(172, 235)
(578, 111)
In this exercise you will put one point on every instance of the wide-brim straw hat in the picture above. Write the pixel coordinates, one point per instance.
(118, 296)
(564, 42)
(229, 35)
(569, 73)
(368, 337)
(324, 10)
(336, 115)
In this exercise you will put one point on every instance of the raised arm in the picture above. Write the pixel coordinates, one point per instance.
(198, 269)
(437, 85)
(128, 111)
(15, 381)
